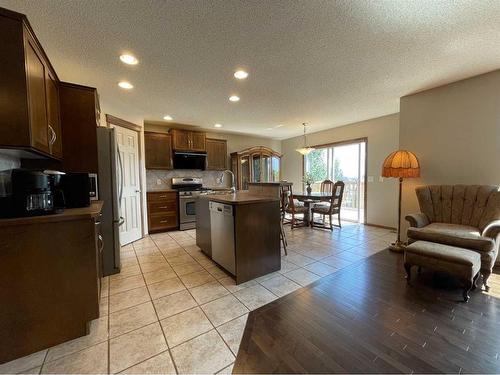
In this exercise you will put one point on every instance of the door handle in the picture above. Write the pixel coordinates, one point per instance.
(137, 191)
(121, 221)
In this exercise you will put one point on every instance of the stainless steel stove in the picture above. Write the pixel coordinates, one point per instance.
(190, 188)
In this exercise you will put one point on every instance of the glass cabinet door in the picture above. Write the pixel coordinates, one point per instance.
(266, 168)
(275, 169)
(245, 172)
(256, 168)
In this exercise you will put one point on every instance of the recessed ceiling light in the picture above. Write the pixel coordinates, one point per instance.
(125, 85)
(234, 98)
(240, 74)
(168, 118)
(129, 59)
(278, 126)
(269, 128)
(218, 125)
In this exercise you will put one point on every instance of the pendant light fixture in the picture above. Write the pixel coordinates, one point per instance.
(304, 150)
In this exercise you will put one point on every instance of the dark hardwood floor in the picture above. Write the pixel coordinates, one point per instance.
(365, 319)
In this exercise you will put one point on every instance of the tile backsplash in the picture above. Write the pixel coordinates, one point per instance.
(211, 179)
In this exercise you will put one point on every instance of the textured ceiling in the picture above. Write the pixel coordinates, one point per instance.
(327, 63)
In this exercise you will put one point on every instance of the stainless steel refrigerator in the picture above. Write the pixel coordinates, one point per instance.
(110, 190)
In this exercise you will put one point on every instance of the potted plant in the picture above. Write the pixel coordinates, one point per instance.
(308, 180)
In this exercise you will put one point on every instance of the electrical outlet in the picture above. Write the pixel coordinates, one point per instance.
(381, 179)
(370, 178)
(158, 181)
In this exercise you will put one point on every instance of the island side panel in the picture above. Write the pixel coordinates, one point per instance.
(203, 234)
(257, 236)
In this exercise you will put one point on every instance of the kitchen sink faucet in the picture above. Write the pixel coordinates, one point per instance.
(233, 183)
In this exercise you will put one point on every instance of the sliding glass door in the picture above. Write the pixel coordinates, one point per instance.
(341, 162)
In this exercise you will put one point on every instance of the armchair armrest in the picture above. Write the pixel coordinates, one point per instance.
(417, 220)
(492, 230)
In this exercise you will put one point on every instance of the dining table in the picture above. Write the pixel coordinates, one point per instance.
(309, 199)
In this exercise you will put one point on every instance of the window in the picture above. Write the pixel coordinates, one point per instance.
(343, 162)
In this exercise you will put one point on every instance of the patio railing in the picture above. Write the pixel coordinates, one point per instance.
(351, 197)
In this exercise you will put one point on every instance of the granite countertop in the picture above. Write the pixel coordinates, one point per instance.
(168, 190)
(277, 183)
(90, 212)
(240, 197)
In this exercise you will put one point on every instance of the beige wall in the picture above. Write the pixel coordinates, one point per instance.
(455, 132)
(383, 138)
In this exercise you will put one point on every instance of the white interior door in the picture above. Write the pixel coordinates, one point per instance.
(130, 205)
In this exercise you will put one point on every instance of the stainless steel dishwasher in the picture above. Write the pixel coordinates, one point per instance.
(222, 233)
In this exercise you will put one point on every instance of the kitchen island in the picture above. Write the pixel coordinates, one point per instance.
(240, 232)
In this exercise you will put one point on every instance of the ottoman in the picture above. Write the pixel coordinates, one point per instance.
(461, 263)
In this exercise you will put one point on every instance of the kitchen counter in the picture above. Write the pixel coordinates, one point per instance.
(240, 197)
(81, 213)
(50, 270)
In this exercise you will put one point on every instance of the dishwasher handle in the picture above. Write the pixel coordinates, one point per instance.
(221, 208)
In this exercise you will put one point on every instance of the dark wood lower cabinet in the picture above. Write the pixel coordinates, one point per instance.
(49, 280)
(163, 211)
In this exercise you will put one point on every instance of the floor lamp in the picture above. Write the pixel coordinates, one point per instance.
(400, 164)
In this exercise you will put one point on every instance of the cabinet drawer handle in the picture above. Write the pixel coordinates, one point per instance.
(164, 207)
(163, 196)
(163, 221)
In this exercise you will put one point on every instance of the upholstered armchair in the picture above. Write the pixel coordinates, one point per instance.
(466, 216)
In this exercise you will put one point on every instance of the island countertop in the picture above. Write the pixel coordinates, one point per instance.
(240, 197)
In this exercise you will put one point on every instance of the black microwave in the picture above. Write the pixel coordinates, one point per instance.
(190, 160)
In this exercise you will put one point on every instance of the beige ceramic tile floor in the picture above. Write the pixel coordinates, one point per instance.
(171, 309)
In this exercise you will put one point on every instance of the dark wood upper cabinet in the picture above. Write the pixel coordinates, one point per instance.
(37, 105)
(30, 120)
(53, 116)
(216, 154)
(186, 140)
(158, 150)
(180, 139)
(80, 112)
(198, 141)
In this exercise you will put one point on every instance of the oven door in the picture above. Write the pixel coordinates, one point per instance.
(187, 208)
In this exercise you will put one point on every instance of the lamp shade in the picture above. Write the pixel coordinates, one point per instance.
(305, 150)
(401, 163)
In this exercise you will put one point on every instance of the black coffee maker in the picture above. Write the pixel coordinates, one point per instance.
(55, 181)
(29, 193)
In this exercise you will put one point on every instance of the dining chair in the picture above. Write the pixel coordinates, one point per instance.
(325, 187)
(284, 193)
(331, 208)
(295, 209)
